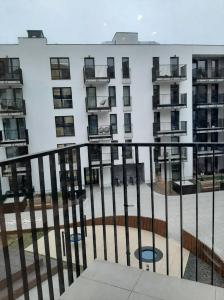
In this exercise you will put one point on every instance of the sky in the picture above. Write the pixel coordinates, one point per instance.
(95, 21)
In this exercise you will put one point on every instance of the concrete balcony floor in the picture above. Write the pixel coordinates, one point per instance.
(109, 281)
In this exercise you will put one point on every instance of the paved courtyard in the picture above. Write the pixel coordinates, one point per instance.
(189, 216)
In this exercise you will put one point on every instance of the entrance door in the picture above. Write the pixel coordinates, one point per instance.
(91, 97)
(174, 91)
(89, 67)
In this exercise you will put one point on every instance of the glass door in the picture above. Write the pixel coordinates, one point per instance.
(174, 91)
(91, 97)
(89, 67)
(174, 66)
(175, 120)
(93, 124)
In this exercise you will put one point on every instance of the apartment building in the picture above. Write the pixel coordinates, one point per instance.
(125, 90)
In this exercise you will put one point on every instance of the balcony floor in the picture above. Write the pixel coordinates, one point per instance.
(109, 281)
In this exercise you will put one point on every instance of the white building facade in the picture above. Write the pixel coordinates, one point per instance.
(120, 91)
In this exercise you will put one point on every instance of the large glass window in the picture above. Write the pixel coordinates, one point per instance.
(125, 67)
(62, 97)
(127, 123)
(10, 67)
(113, 123)
(126, 96)
(112, 95)
(14, 128)
(67, 152)
(174, 66)
(110, 67)
(64, 126)
(60, 68)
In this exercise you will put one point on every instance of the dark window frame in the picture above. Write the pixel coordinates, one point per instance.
(126, 124)
(127, 97)
(64, 125)
(61, 97)
(111, 73)
(114, 102)
(68, 77)
(114, 125)
(125, 68)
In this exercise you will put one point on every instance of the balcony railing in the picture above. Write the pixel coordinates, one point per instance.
(14, 136)
(205, 151)
(97, 74)
(12, 106)
(12, 77)
(99, 103)
(166, 73)
(202, 74)
(212, 126)
(109, 225)
(167, 128)
(101, 132)
(167, 101)
(208, 100)
(171, 155)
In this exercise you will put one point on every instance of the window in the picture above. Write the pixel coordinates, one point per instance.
(174, 66)
(125, 67)
(89, 67)
(67, 176)
(16, 151)
(128, 150)
(67, 153)
(64, 126)
(60, 68)
(113, 123)
(14, 128)
(112, 95)
(110, 67)
(126, 96)
(62, 97)
(93, 124)
(10, 66)
(127, 123)
(115, 150)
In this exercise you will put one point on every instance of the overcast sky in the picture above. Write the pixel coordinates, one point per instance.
(94, 21)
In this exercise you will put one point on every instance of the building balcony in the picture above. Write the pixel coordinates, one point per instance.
(170, 129)
(96, 75)
(205, 151)
(11, 79)
(98, 104)
(103, 132)
(206, 127)
(166, 101)
(12, 107)
(172, 154)
(11, 137)
(208, 101)
(208, 75)
(169, 73)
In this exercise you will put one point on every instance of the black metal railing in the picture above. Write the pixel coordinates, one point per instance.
(208, 73)
(168, 128)
(209, 125)
(100, 103)
(12, 106)
(171, 155)
(169, 71)
(167, 100)
(97, 73)
(16, 75)
(46, 178)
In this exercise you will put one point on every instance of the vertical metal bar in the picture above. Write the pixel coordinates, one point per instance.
(92, 201)
(114, 203)
(196, 178)
(20, 232)
(181, 215)
(166, 213)
(45, 227)
(6, 252)
(103, 204)
(138, 206)
(54, 195)
(152, 207)
(126, 204)
(213, 212)
(63, 243)
(74, 215)
(64, 191)
(81, 210)
(33, 228)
